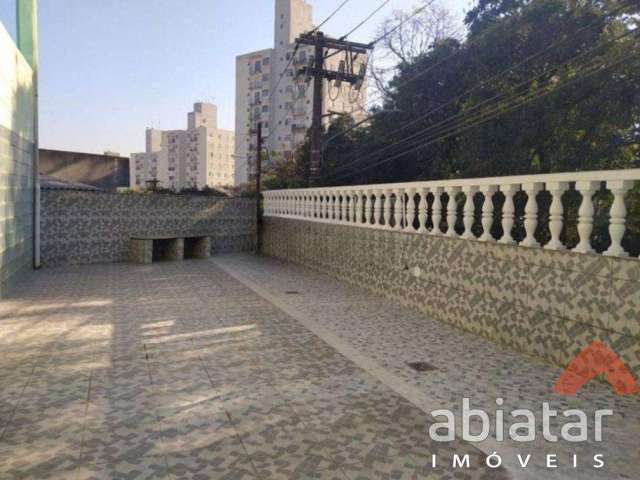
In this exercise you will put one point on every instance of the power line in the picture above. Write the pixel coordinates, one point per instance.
(330, 16)
(463, 127)
(295, 50)
(284, 71)
(482, 83)
(453, 54)
(369, 17)
(483, 118)
(394, 29)
(401, 24)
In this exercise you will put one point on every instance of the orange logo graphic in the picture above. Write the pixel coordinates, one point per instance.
(594, 360)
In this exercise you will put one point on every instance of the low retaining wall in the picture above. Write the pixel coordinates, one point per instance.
(550, 304)
(94, 227)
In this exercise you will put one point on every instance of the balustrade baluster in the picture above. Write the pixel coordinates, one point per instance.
(617, 217)
(452, 211)
(324, 205)
(556, 189)
(326, 210)
(436, 214)
(387, 209)
(398, 210)
(468, 215)
(354, 207)
(531, 214)
(367, 207)
(411, 210)
(377, 208)
(423, 212)
(585, 215)
(487, 212)
(508, 213)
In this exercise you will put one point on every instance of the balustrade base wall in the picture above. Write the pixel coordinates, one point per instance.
(550, 304)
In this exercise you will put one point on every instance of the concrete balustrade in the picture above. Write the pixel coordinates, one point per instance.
(418, 207)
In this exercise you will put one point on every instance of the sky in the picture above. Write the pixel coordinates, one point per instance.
(111, 68)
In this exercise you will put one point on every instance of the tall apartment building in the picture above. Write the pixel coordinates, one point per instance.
(285, 111)
(202, 155)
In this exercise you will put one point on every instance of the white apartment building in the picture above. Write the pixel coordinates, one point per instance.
(285, 111)
(202, 155)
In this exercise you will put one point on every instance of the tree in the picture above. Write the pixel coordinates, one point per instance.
(406, 37)
(536, 87)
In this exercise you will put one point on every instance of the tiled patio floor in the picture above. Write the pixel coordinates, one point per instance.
(177, 370)
(211, 370)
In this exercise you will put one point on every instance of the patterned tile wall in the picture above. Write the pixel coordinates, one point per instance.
(545, 303)
(94, 227)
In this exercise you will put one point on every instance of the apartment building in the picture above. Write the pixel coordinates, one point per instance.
(284, 106)
(202, 155)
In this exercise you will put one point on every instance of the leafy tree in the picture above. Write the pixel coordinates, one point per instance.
(537, 86)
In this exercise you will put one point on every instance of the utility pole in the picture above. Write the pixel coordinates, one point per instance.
(345, 73)
(258, 190)
(316, 124)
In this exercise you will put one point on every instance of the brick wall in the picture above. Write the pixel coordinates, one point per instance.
(94, 227)
(550, 304)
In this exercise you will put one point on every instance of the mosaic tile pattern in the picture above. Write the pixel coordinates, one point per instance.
(526, 299)
(177, 371)
(95, 227)
(389, 335)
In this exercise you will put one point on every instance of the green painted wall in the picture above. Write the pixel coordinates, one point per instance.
(17, 139)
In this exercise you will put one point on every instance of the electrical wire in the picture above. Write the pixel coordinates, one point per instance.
(284, 71)
(295, 50)
(481, 84)
(452, 55)
(401, 24)
(369, 17)
(484, 117)
(330, 16)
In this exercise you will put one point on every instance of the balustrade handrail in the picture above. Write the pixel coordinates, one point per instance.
(594, 175)
(417, 207)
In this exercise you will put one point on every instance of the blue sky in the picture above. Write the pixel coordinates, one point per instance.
(110, 68)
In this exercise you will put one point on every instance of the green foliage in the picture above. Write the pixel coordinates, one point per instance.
(591, 124)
